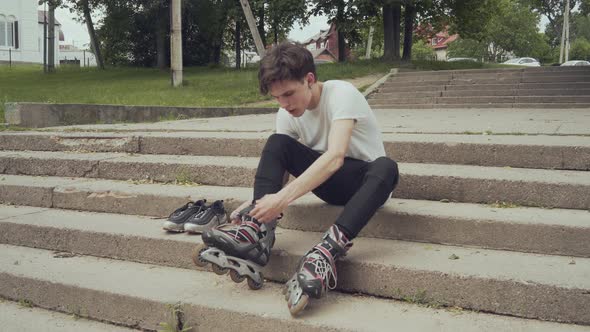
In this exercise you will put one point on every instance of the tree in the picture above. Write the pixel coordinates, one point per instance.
(377, 46)
(409, 18)
(553, 10)
(467, 48)
(347, 15)
(391, 30)
(282, 15)
(422, 51)
(509, 27)
(580, 49)
(84, 10)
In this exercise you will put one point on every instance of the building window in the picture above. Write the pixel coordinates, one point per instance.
(8, 31)
(3, 22)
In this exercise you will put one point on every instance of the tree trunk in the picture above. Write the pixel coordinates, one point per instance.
(341, 47)
(215, 57)
(397, 14)
(410, 15)
(387, 33)
(276, 33)
(92, 34)
(176, 63)
(341, 40)
(238, 41)
(161, 27)
(51, 42)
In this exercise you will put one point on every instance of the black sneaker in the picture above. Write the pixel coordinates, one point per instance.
(212, 216)
(180, 216)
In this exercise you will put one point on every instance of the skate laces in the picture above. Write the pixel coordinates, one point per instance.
(324, 269)
(323, 256)
(246, 226)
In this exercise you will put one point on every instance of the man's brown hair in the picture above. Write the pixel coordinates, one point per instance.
(285, 62)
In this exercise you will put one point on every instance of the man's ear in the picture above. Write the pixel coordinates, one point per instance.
(310, 78)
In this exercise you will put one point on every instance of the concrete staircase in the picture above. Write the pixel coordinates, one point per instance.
(546, 87)
(485, 232)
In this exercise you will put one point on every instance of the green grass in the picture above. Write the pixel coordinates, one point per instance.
(203, 87)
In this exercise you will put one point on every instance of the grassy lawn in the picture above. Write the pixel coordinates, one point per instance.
(140, 86)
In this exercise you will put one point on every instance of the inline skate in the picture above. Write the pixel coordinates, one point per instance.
(241, 249)
(316, 273)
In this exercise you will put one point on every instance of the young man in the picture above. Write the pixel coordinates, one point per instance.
(327, 138)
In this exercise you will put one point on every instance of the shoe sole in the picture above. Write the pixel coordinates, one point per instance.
(172, 227)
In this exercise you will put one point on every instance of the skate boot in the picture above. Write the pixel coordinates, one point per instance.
(316, 273)
(240, 249)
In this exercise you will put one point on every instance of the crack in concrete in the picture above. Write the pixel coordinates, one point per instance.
(93, 168)
(24, 214)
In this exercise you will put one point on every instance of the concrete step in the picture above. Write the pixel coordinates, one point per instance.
(564, 85)
(497, 226)
(556, 106)
(569, 153)
(514, 92)
(479, 84)
(22, 318)
(524, 71)
(525, 76)
(442, 120)
(411, 88)
(210, 302)
(391, 269)
(470, 184)
(384, 99)
(510, 99)
(480, 93)
(401, 83)
(555, 79)
(405, 94)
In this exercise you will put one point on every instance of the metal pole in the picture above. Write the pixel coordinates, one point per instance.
(51, 39)
(10, 57)
(45, 37)
(176, 43)
(567, 31)
(369, 43)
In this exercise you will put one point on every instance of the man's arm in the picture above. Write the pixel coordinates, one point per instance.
(270, 206)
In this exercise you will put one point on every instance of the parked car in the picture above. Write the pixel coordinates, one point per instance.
(462, 59)
(529, 62)
(576, 63)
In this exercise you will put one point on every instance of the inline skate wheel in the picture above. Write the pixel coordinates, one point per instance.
(299, 306)
(236, 277)
(255, 285)
(218, 269)
(196, 256)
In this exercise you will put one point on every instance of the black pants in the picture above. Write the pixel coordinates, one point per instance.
(362, 187)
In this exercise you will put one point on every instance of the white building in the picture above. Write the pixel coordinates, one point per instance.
(72, 55)
(21, 32)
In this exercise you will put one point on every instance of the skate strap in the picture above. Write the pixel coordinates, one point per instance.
(253, 225)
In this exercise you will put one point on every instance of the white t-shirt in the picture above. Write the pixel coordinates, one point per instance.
(339, 100)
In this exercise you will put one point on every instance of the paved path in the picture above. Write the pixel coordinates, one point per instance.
(456, 121)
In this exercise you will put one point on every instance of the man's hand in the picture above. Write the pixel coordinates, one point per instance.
(233, 217)
(268, 208)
